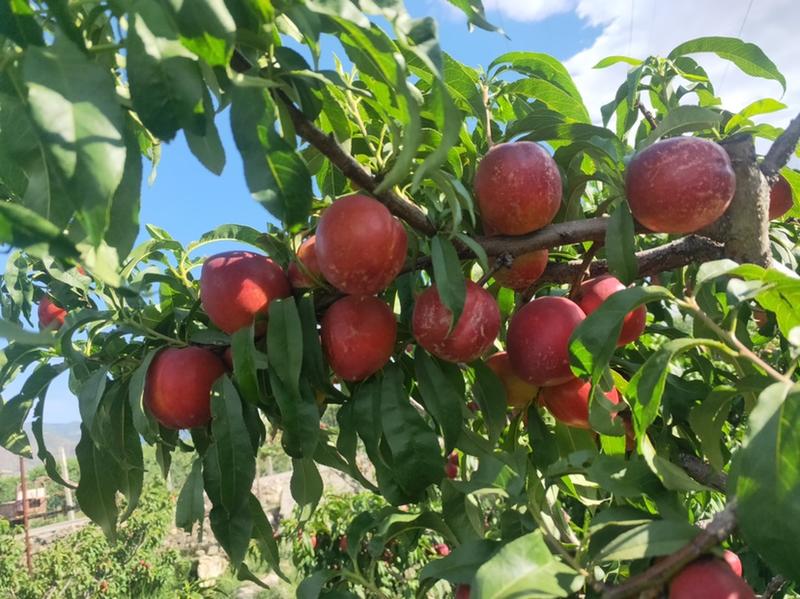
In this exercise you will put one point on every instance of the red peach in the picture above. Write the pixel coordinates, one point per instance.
(538, 340)
(50, 314)
(780, 198)
(472, 335)
(594, 292)
(709, 579)
(524, 270)
(442, 549)
(680, 185)
(178, 386)
(569, 402)
(227, 358)
(451, 470)
(307, 256)
(518, 392)
(360, 246)
(733, 561)
(237, 288)
(358, 335)
(518, 188)
(343, 544)
(462, 591)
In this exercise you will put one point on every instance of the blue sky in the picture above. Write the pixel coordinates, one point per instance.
(188, 200)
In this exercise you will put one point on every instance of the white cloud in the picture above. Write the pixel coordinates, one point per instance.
(646, 27)
(529, 10)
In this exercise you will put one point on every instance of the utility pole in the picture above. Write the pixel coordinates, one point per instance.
(25, 523)
(68, 500)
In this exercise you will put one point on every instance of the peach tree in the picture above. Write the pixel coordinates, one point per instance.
(570, 346)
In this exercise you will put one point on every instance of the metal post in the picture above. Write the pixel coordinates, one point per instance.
(25, 523)
(68, 500)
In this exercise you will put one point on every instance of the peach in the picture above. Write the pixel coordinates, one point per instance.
(780, 198)
(524, 270)
(569, 402)
(594, 292)
(307, 256)
(50, 314)
(518, 392)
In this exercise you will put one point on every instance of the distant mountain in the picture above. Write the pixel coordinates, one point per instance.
(57, 435)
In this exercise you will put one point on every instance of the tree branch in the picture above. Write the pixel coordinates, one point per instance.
(353, 170)
(674, 254)
(659, 573)
(703, 472)
(781, 150)
(773, 587)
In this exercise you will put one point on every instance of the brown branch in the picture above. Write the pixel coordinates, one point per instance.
(659, 573)
(703, 472)
(648, 116)
(487, 107)
(773, 587)
(687, 250)
(504, 260)
(781, 150)
(353, 170)
(581, 272)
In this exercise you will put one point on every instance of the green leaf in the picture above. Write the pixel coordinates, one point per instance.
(206, 28)
(524, 567)
(490, 394)
(22, 227)
(612, 60)
(540, 66)
(97, 488)
(285, 342)
(742, 117)
(244, 364)
(594, 340)
(748, 57)
(74, 104)
(306, 486)
(229, 467)
(18, 22)
(191, 506)
(442, 400)
(205, 143)
(660, 537)
(646, 387)
(415, 450)
(142, 420)
(264, 536)
(276, 175)
(460, 566)
(37, 428)
(767, 485)
(553, 96)
(708, 420)
(682, 119)
(233, 531)
(311, 587)
(476, 16)
(123, 225)
(122, 441)
(90, 395)
(448, 276)
(313, 361)
(621, 245)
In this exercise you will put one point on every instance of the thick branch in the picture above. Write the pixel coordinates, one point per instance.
(717, 531)
(575, 231)
(778, 155)
(703, 473)
(687, 250)
(353, 170)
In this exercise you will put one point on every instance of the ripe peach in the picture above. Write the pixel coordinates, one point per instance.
(178, 386)
(472, 335)
(524, 271)
(518, 188)
(569, 402)
(451, 470)
(780, 198)
(358, 335)
(595, 291)
(709, 579)
(307, 255)
(227, 358)
(50, 314)
(462, 591)
(680, 185)
(733, 561)
(237, 287)
(518, 393)
(360, 246)
(538, 340)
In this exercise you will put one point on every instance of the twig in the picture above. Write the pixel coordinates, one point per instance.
(659, 573)
(691, 305)
(781, 150)
(581, 272)
(353, 170)
(773, 587)
(487, 106)
(648, 116)
(703, 473)
(504, 260)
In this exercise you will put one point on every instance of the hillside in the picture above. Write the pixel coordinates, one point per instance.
(58, 435)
